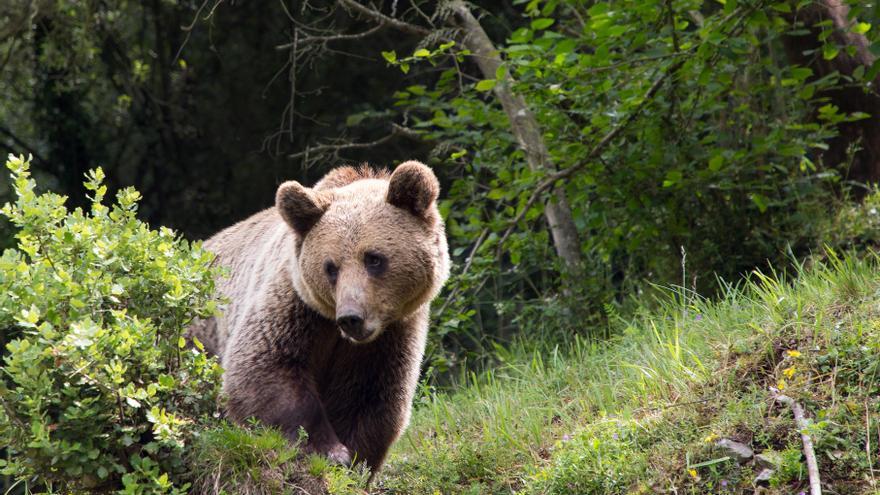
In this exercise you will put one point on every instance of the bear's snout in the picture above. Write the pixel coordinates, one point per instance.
(353, 327)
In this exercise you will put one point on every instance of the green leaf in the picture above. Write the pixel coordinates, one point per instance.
(598, 9)
(521, 35)
(760, 201)
(829, 52)
(542, 23)
(807, 92)
(861, 28)
(485, 85)
(422, 53)
(859, 72)
(418, 89)
(781, 7)
(515, 256)
(801, 73)
(716, 162)
(391, 56)
(353, 120)
(29, 317)
(673, 177)
(873, 71)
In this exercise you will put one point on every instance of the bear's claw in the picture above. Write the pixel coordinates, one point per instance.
(339, 454)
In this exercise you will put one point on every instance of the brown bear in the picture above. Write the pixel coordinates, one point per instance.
(327, 297)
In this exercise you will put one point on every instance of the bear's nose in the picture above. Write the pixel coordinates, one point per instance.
(352, 325)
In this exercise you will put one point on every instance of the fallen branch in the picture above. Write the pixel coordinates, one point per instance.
(801, 422)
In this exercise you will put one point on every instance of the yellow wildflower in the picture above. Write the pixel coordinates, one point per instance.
(710, 437)
(793, 353)
(789, 372)
(693, 473)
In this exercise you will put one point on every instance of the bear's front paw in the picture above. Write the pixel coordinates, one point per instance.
(339, 454)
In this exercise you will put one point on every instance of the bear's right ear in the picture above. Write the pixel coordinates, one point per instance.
(300, 206)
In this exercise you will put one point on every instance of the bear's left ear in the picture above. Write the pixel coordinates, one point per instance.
(300, 206)
(413, 187)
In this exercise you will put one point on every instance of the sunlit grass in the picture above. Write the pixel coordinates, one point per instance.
(639, 413)
(673, 380)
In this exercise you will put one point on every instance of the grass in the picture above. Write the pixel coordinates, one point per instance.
(642, 412)
(232, 460)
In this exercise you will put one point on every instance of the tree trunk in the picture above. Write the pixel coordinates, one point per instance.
(528, 134)
(863, 133)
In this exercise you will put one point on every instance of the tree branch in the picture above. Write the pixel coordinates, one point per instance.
(396, 130)
(467, 266)
(527, 131)
(189, 29)
(33, 11)
(594, 152)
(336, 37)
(21, 144)
(383, 19)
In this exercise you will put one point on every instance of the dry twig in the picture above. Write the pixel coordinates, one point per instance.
(383, 19)
(801, 422)
(335, 148)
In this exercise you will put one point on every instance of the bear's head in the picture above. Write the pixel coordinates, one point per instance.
(369, 251)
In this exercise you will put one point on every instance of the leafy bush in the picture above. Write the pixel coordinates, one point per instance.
(722, 162)
(98, 390)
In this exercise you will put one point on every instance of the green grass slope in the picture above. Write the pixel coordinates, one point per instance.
(642, 413)
(645, 412)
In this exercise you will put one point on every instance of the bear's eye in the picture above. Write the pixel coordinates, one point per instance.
(331, 270)
(375, 263)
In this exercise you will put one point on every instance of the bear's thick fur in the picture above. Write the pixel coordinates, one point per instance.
(327, 313)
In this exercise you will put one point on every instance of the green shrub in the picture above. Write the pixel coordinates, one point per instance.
(98, 391)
